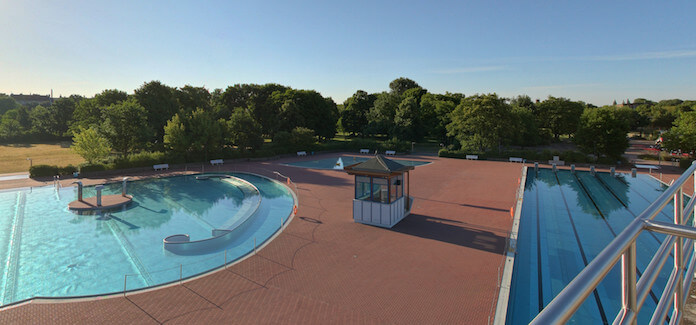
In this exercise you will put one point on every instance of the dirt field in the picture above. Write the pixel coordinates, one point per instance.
(13, 157)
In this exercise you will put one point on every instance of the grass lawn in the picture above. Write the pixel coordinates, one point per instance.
(13, 157)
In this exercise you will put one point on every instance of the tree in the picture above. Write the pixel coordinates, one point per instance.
(10, 128)
(197, 132)
(381, 116)
(406, 120)
(244, 132)
(400, 85)
(682, 136)
(602, 132)
(160, 105)
(435, 114)
(110, 97)
(307, 108)
(560, 115)
(189, 98)
(125, 126)
(525, 123)
(258, 99)
(87, 114)
(7, 103)
(63, 110)
(90, 145)
(355, 110)
(43, 121)
(482, 122)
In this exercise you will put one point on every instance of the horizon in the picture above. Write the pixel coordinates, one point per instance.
(594, 52)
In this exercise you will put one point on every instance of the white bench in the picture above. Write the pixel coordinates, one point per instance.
(160, 167)
(217, 162)
(472, 157)
(364, 150)
(301, 153)
(516, 159)
(390, 152)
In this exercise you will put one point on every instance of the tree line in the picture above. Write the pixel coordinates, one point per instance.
(196, 123)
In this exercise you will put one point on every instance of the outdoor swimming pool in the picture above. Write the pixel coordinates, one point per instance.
(333, 163)
(48, 251)
(566, 220)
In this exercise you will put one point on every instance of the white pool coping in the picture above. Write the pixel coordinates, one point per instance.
(504, 293)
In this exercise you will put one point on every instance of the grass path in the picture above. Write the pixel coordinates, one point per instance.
(13, 157)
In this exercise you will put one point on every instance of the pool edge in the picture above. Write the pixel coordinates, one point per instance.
(506, 281)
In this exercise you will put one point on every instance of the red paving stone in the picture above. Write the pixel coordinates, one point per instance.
(439, 265)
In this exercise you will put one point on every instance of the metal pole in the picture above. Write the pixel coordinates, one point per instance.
(225, 258)
(628, 281)
(254, 245)
(125, 280)
(678, 253)
(99, 194)
(181, 272)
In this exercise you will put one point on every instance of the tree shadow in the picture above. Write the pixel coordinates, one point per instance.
(452, 232)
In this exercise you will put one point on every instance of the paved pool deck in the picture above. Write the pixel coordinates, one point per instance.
(440, 265)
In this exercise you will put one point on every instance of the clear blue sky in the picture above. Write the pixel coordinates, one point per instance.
(595, 51)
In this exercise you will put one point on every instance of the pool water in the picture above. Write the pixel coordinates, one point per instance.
(566, 220)
(334, 163)
(48, 251)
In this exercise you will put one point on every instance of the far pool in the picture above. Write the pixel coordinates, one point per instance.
(335, 163)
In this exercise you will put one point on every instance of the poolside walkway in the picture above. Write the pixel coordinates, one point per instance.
(439, 265)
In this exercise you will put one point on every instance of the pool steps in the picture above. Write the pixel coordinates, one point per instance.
(129, 251)
(10, 276)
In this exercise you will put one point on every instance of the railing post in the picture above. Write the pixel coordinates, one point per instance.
(125, 280)
(628, 281)
(678, 252)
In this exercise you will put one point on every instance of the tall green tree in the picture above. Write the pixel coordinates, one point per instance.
(381, 116)
(244, 132)
(559, 115)
(10, 128)
(482, 123)
(160, 105)
(682, 136)
(407, 120)
(307, 108)
(63, 110)
(195, 133)
(7, 103)
(87, 114)
(110, 97)
(400, 85)
(189, 98)
(602, 132)
(125, 126)
(43, 121)
(91, 145)
(355, 110)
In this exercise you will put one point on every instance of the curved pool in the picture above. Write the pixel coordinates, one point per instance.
(48, 251)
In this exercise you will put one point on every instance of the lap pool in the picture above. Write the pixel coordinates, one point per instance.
(566, 220)
(48, 251)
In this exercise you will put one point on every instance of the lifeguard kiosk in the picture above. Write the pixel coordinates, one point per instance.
(381, 191)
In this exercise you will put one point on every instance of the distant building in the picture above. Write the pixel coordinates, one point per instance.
(626, 103)
(32, 100)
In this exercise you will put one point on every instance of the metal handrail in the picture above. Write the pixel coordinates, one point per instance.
(623, 248)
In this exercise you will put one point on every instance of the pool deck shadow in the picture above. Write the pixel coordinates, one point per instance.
(438, 266)
(452, 232)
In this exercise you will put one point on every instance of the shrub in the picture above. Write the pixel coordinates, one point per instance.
(43, 171)
(396, 145)
(303, 138)
(86, 168)
(142, 159)
(685, 163)
(282, 139)
(67, 170)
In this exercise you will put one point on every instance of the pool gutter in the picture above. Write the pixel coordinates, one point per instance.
(511, 251)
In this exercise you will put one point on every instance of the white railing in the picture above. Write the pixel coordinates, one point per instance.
(679, 242)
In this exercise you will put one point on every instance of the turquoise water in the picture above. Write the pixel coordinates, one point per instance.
(331, 163)
(48, 251)
(566, 220)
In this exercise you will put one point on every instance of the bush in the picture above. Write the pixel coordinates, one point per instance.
(43, 171)
(282, 139)
(86, 168)
(142, 159)
(396, 145)
(67, 170)
(303, 138)
(685, 163)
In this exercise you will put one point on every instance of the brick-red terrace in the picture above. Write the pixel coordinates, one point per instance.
(439, 265)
